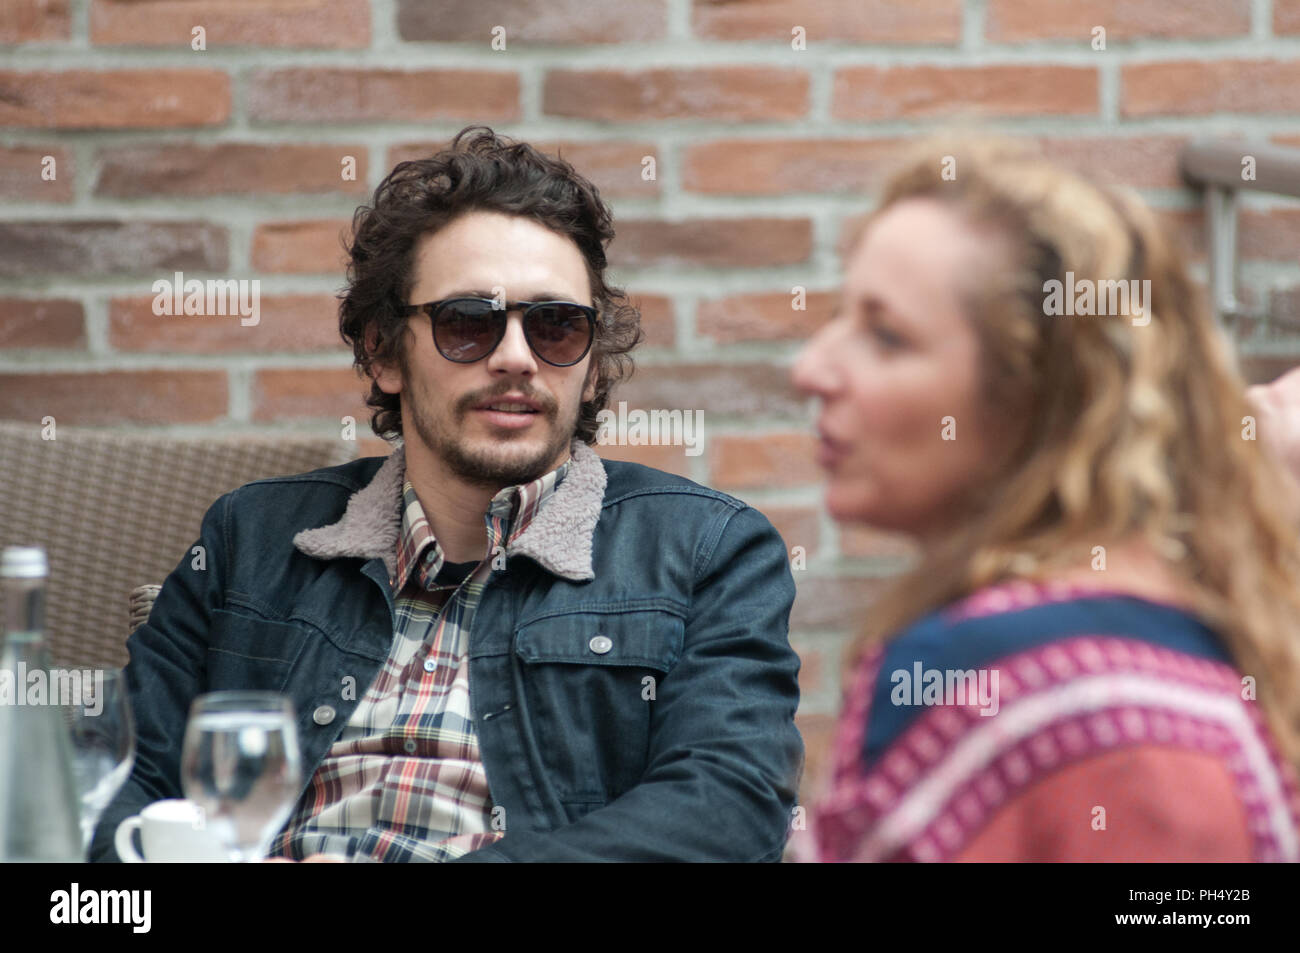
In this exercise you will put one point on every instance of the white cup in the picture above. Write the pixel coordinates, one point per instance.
(172, 831)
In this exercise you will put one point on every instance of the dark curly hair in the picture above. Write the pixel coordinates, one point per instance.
(479, 171)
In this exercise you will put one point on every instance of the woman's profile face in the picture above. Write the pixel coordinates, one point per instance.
(896, 372)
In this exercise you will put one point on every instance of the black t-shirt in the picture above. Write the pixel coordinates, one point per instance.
(453, 574)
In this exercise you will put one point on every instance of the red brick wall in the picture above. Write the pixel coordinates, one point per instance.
(226, 163)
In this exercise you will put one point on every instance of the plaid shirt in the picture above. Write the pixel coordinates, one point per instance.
(404, 781)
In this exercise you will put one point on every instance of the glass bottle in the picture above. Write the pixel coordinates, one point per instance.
(39, 812)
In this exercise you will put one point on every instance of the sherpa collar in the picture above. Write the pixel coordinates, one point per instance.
(558, 538)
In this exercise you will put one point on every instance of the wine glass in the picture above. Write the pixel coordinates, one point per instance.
(103, 744)
(240, 764)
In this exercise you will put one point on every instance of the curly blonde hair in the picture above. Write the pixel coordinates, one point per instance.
(1128, 425)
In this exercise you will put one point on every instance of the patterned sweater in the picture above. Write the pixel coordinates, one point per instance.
(1043, 722)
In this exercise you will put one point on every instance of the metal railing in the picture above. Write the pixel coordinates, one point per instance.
(1223, 169)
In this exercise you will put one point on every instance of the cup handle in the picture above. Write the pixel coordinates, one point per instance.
(122, 840)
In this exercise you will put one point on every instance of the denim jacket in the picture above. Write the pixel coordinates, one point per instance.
(670, 738)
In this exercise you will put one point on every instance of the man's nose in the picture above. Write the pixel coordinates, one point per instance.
(513, 355)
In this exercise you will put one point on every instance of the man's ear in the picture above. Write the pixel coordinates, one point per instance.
(387, 375)
(589, 388)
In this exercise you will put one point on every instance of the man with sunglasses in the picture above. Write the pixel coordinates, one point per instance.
(499, 647)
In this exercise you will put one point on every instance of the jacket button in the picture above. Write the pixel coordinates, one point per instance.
(323, 715)
(600, 644)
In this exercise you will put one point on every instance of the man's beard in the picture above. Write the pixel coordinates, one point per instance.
(488, 467)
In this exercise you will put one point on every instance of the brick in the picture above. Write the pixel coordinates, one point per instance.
(812, 669)
(229, 169)
(1286, 16)
(22, 168)
(83, 248)
(1266, 368)
(322, 24)
(328, 393)
(732, 242)
(1254, 322)
(42, 323)
(1186, 227)
(1284, 308)
(613, 167)
(719, 390)
(313, 247)
(784, 166)
(1200, 87)
(286, 322)
(830, 21)
(850, 230)
(530, 22)
(838, 603)
(657, 322)
(1017, 21)
(1259, 328)
(117, 99)
(767, 316)
(35, 21)
(357, 95)
(669, 459)
(371, 446)
(863, 541)
(115, 397)
(419, 149)
(1272, 235)
(730, 93)
(755, 461)
(1141, 162)
(968, 92)
(818, 733)
(798, 525)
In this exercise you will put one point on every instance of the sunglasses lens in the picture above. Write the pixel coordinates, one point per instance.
(560, 333)
(466, 330)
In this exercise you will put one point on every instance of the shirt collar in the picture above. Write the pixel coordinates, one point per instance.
(508, 514)
(559, 538)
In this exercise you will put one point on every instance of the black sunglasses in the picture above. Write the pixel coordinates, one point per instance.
(466, 330)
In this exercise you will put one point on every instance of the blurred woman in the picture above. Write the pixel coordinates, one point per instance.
(1096, 655)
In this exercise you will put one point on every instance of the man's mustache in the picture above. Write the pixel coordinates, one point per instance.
(546, 406)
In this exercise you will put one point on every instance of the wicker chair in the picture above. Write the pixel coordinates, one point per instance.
(116, 512)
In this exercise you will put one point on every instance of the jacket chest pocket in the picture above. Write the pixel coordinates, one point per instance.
(590, 682)
(246, 651)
